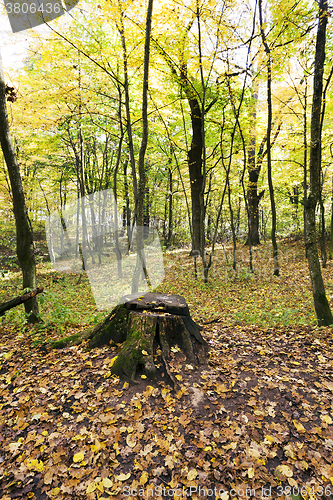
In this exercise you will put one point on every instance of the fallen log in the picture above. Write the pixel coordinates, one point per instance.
(5, 306)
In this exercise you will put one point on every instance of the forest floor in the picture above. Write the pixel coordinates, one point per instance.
(256, 422)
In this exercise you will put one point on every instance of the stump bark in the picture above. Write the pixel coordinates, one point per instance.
(151, 325)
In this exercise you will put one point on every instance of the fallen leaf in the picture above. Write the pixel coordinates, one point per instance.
(107, 483)
(284, 471)
(192, 474)
(78, 457)
(123, 477)
(144, 478)
(92, 486)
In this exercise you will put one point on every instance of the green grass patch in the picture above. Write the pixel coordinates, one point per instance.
(232, 296)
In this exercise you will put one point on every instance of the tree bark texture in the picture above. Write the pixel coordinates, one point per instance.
(24, 237)
(322, 308)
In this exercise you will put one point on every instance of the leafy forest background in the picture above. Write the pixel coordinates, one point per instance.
(229, 108)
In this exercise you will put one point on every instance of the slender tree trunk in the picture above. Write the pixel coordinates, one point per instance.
(195, 161)
(253, 171)
(141, 264)
(115, 194)
(121, 29)
(24, 237)
(323, 312)
(331, 228)
(232, 225)
(276, 270)
(195, 171)
(127, 209)
(322, 231)
(170, 221)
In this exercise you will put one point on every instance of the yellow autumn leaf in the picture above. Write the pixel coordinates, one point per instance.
(328, 385)
(292, 482)
(78, 457)
(100, 486)
(269, 440)
(89, 363)
(299, 426)
(326, 418)
(303, 465)
(145, 353)
(144, 478)
(225, 496)
(284, 470)
(123, 477)
(130, 442)
(48, 476)
(126, 385)
(55, 491)
(107, 483)
(35, 465)
(113, 360)
(289, 452)
(178, 377)
(192, 474)
(250, 472)
(221, 388)
(143, 376)
(92, 486)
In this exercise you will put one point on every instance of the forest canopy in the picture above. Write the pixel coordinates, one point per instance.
(228, 107)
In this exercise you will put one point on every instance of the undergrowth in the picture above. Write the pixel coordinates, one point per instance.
(231, 296)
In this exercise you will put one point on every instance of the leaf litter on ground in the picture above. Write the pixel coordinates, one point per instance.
(257, 421)
(258, 418)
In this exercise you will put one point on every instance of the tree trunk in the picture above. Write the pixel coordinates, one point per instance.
(170, 221)
(331, 226)
(24, 237)
(152, 325)
(323, 312)
(276, 270)
(195, 171)
(253, 171)
(140, 261)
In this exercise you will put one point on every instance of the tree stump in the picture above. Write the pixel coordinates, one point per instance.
(154, 324)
